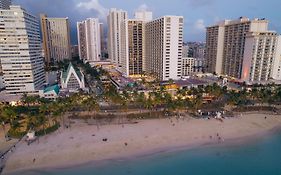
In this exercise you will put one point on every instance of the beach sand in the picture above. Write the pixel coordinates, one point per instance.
(83, 143)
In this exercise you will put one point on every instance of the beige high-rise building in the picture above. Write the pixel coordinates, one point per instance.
(225, 44)
(163, 47)
(259, 56)
(21, 55)
(89, 40)
(214, 48)
(5, 4)
(118, 40)
(136, 46)
(103, 41)
(56, 39)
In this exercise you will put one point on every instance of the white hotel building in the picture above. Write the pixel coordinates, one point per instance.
(20, 51)
(89, 40)
(163, 47)
(118, 39)
(259, 56)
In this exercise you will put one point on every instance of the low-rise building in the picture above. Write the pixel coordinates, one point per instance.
(72, 79)
(51, 92)
(190, 83)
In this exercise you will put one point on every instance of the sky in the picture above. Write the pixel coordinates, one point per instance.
(197, 13)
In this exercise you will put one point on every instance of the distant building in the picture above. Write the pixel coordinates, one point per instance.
(5, 4)
(89, 40)
(188, 66)
(51, 92)
(72, 79)
(199, 65)
(196, 50)
(185, 51)
(74, 51)
(52, 77)
(22, 66)
(163, 47)
(259, 55)
(118, 39)
(56, 39)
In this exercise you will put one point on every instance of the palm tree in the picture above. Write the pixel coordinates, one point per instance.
(9, 114)
(140, 100)
(30, 99)
(196, 103)
(57, 110)
(91, 105)
(43, 110)
(42, 120)
(3, 118)
(148, 104)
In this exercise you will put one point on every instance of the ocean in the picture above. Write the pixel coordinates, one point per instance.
(260, 156)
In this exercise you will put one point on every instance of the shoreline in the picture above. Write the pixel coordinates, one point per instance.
(258, 127)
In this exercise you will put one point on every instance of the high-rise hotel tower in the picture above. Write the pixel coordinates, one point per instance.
(20, 52)
(89, 40)
(56, 39)
(163, 47)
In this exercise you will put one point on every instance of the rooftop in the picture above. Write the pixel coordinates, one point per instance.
(52, 88)
(189, 82)
(77, 71)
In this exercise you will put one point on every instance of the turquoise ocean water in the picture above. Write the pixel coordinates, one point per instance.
(260, 156)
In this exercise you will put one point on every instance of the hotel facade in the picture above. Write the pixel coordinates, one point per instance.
(163, 45)
(21, 56)
(136, 46)
(226, 43)
(259, 56)
(56, 39)
(89, 40)
(118, 40)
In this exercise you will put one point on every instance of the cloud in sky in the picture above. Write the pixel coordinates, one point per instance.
(197, 13)
(143, 7)
(199, 26)
(94, 5)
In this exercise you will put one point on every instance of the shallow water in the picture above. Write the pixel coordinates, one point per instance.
(262, 156)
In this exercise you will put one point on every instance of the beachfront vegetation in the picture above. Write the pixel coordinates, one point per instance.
(44, 116)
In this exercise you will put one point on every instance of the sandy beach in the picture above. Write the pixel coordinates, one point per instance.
(83, 143)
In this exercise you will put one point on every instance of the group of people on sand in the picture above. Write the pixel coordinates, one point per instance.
(219, 138)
